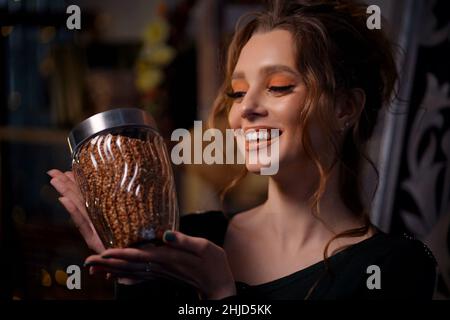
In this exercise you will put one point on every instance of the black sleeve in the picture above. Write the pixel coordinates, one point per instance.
(408, 272)
(210, 225)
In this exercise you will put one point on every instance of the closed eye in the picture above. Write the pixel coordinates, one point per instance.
(281, 89)
(236, 95)
(274, 89)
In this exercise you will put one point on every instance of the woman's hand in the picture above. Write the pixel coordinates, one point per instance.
(73, 201)
(193, 260)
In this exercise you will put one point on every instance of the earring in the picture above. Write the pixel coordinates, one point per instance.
(346, 124)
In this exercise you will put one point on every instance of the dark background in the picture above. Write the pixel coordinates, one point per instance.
(51, 78)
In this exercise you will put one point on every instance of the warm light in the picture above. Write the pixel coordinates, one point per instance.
(61, 277)
(47, 34)
(46, 280)
(6, 30)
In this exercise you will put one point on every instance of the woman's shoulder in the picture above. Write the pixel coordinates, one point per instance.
(211, 225)
(406, 265)
(405, 248)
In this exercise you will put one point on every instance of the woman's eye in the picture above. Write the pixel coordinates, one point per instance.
(236, 95)
(281, 89)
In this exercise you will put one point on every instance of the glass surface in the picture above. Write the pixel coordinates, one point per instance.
(126, 179)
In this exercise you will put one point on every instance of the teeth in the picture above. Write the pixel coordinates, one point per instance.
(257, 135)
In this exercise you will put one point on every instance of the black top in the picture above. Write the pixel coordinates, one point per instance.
(407, 270)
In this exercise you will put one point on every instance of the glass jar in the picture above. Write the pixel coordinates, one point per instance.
(121, 164)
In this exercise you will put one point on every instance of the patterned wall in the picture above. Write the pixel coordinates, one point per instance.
(422, 202)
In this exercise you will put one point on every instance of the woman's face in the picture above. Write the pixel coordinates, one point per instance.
(268, 93)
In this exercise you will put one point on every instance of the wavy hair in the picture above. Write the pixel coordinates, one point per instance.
(335, 53)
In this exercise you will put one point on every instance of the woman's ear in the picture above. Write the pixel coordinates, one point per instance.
(358, 101)
(349, 107)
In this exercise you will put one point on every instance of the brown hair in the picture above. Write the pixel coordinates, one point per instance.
(336, 53)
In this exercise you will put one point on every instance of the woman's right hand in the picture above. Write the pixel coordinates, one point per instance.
(72, 200)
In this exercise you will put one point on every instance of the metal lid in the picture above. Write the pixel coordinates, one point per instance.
(115, 118)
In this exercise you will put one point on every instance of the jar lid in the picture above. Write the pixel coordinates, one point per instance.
(115, 118)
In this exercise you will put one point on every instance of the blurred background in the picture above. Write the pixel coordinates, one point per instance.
(166, 56)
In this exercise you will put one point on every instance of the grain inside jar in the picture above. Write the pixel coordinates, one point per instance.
(129, 191)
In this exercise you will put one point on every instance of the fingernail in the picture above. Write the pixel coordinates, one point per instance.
(107, 257)
(169, 236)
(88, 264)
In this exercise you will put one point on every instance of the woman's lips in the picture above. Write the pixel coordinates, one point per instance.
(260, 138)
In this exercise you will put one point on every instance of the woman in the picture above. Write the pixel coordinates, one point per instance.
(315, 72)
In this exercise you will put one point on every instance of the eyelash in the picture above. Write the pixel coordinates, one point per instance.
(275, 89)
(281, 89)
(235, 95)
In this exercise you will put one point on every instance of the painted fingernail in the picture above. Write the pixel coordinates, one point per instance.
(107, 257)
(169, 236)
(88, 264)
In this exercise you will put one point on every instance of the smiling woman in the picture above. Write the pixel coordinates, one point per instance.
(312, 70)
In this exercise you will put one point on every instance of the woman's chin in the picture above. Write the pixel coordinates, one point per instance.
(263, 164)
(261, 169)
(254, 168)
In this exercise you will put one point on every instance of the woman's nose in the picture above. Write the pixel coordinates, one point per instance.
(252, 107)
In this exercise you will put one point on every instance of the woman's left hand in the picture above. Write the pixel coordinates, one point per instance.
(193, 260)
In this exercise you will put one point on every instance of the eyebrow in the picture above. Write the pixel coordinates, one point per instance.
(268, 70)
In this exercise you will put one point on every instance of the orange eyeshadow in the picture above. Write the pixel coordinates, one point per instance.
(280, 81)
(239, 85)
